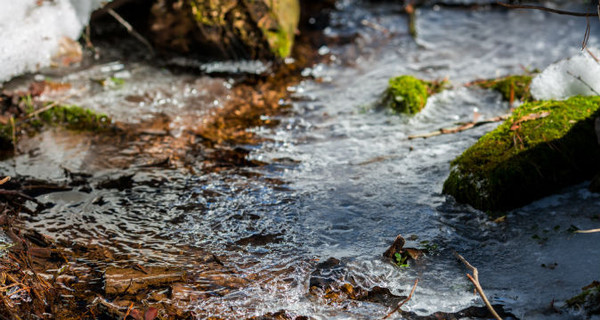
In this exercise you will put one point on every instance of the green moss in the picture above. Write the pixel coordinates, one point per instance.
(588, 300)
(511, 87)
(287, 15)
(277, 26)
(542, 147)
(73, 117)
(406, 94)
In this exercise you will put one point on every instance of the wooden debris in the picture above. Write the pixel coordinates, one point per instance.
(404, 301)
(130, 281)
(475, 280)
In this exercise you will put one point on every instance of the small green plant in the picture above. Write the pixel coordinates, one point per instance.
(430, 247)
(401, 260)
(27, 102)
(117, 81)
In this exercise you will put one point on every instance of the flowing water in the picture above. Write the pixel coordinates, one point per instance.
(341, 179)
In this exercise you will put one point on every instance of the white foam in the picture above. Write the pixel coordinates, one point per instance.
(578, 75)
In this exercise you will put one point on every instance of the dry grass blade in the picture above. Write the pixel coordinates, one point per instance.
(588, 231)
(592, 55)
(403, 301)
(475, 280)
(55, 103)
(5, 180)
(128, 311)
(130, 29)
(541, 8)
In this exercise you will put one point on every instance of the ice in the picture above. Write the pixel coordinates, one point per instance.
(31, 31)
(578, 75)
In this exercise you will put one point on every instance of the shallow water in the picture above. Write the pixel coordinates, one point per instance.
(341, 180)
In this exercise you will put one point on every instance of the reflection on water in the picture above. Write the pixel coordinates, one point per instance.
(336, 179)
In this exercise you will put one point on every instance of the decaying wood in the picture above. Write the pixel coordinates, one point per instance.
(403, 301)
(130, 281)
(475, 280)
(463, 127)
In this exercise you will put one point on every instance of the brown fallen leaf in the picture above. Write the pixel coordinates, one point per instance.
(534, 116)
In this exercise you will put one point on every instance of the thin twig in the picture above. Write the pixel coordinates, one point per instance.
(592, 55)
(568, 13)
(586, 35)
(13, 133)
(463, 127)
(128, 311)
(54, 104)
(403, 301)
(475, 280)
(588, 231)
(582, 81)
(130, 29)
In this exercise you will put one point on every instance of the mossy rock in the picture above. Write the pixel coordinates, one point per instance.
(543, 147)
(406, 94)
(511, 87)
(226, 29)
(588, 299)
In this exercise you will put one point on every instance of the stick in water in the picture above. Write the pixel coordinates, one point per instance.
(403, 301)
(475, 280)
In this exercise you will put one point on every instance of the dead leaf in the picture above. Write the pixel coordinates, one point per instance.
(534, 116)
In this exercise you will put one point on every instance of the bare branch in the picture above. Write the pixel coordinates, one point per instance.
(403, 301)
(463, 127)
(130, 29)
(475, 280)
(568, 13)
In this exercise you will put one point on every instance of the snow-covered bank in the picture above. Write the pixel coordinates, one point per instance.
(31, 31)
(578, 75)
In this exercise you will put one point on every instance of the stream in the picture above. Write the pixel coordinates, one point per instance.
(336, 178)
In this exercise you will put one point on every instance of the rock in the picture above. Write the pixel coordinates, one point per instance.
(228, 29)
(332, 282)
(406, 94)
(597, 125)
(595, 185)
(588, 300)
(397, 246)
(130, 281)
(400, 255)
(543, 147)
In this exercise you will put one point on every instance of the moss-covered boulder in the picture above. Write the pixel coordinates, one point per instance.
(406, 94)
(229, 29)
(511, 87)
(542, 147)
(588, 300)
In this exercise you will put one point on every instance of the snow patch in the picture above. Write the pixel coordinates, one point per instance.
(31, 32)
(578, 75)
